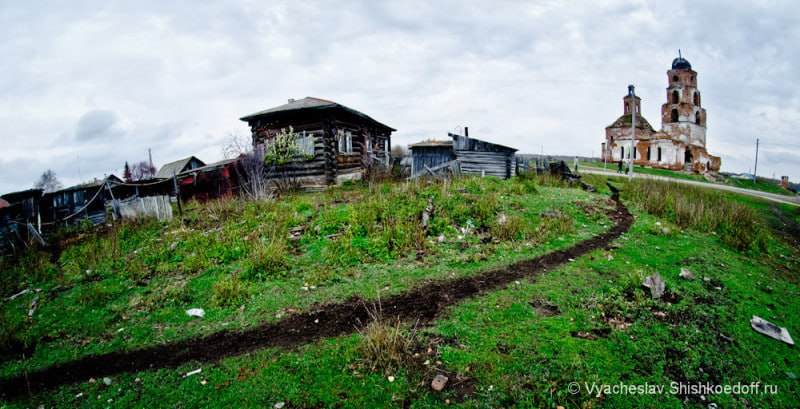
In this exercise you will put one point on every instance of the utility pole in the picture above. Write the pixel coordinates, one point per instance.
(755, 169)
(633, 129)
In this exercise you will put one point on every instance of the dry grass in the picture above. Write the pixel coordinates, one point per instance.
(384, 345)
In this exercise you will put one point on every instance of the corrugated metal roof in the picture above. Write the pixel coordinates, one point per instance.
(173, 168)
(310, 103)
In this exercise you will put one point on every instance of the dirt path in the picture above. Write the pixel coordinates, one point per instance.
(322, 321)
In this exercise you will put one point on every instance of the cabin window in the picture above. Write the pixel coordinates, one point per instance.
(305, 144)
(345, 139)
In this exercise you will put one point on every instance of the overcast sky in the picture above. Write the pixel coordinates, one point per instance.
(86, 86)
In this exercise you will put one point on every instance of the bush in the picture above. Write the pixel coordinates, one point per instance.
(511, 228)
(229, 291)
(384, 345)
(267, 260)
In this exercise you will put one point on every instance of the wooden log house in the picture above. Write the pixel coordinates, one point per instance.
(469, 155)
(335, 143)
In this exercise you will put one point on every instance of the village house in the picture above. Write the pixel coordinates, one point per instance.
(462, 154)
(179, 166)
(681, 142)
(334, 142)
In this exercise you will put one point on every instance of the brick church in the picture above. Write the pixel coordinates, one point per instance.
(681, 142)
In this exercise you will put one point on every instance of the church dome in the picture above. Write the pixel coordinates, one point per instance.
(680, 63)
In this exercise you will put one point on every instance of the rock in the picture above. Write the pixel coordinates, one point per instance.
(771, 330)
(107, 381)
(707, 279)
(439, 382)
(791, 375)
(686, 274)
(664, 230)
(550, 214)
(390, 378)
(196, 312)
(279, 405)
(138, 380)
(656, 285)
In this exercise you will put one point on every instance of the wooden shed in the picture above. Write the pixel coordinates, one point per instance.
(76, 203)
(335, 142)
(469, 155)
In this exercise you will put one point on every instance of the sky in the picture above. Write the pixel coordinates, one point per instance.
(87, 85)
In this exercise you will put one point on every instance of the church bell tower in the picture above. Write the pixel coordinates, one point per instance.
(683, 115)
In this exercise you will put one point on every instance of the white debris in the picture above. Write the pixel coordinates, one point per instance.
(686, 274)
(390, 378)
(656, 285)
(279, 405)
(771, 330)
(195, 372)
(23, 292)
(107, 381)
(196, 312)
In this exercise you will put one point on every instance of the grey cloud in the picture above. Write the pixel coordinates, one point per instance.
(97, 125)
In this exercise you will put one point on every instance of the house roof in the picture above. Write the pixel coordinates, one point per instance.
(173, 168)
(454, 136)
(309, 104)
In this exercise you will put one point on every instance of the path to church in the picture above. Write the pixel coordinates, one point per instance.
(421, 305)
(790, 200)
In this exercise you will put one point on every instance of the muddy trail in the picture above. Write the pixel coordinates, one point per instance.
(421, 304)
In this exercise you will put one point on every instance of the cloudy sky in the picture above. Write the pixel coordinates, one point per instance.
(86, 86)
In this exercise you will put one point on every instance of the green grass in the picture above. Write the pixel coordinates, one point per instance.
(761, 184)
(512, 347)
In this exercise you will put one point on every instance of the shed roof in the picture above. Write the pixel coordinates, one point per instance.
(173, 168)
(432, 144)
(308, 104)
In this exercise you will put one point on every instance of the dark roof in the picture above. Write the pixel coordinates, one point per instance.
(94, 183)
(681, 63)
(308, 104)
(173, 168)
(14, 197)
(433, 144)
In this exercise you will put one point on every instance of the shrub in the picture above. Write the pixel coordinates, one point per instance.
(229, 291)
(383, 344)
(267, 260)
(511, 228)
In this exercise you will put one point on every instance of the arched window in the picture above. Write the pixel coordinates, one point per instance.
(627, 108)
(674, 78)
(697, 118)
(675, 97)
(622, 152)
(674, 115)
(649, 158)
(658, 152)
(687, 156)
(696, 99)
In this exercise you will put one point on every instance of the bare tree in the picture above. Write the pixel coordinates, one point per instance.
(48, 182)
(143, 171)
(251, 170)
(263, 168)
(398, 151)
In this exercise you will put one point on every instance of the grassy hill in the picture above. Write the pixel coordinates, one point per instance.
(588, 319)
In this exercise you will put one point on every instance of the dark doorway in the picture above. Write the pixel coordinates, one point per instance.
(687, 156)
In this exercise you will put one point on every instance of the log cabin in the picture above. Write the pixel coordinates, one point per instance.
(335, 143)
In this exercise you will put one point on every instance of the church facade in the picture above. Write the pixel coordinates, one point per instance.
(681, 142)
